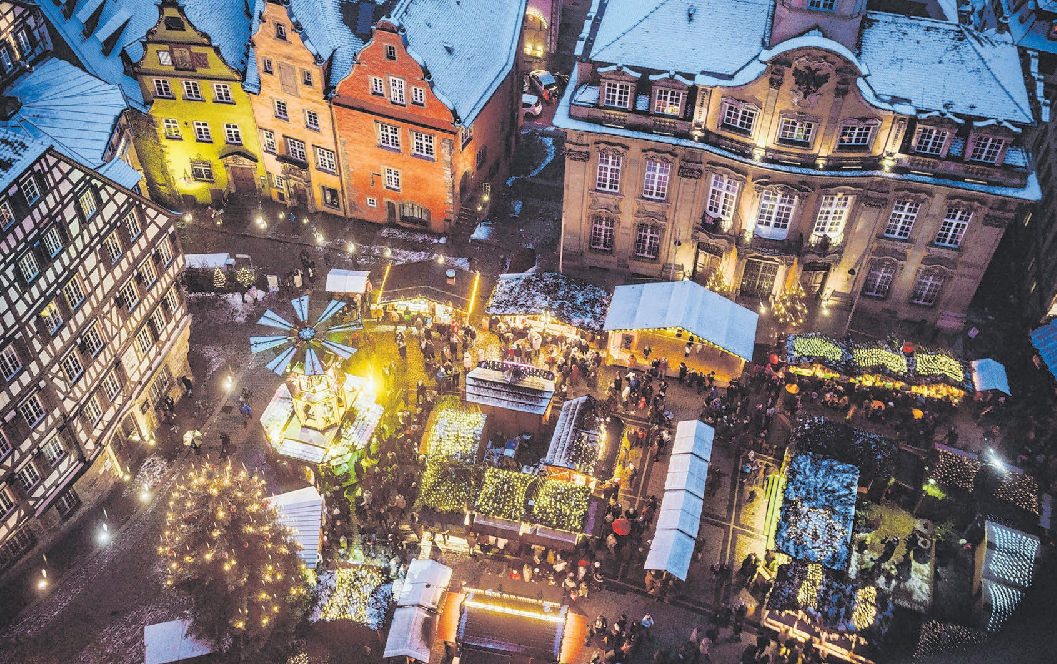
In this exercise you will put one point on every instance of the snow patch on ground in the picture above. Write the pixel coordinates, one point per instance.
(410, 236)
(215, 356)
(149, 474)
(548, 144)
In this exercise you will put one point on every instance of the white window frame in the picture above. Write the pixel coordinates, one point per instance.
(902, 218)
(668, 102)
(171, 300)
(222, 93)
(73, 293)
(7, 504)
(607, 177)
(92, 340)
(656, 179)
(616, 94)
(92, 409)
(54, 451)
(232, 134)
(832, 215)
(172, 128)
(822, 5)
(144, 340)
(282, 111)
(422, 145)
(396, 91)
(52, 242)
(418, 96)
(931, 140)
(774, 215)
(311, 120)
(27, 265)
(202, 132)
(28, 477)
(392, 179)
(953, 227)
(132, 225)
(268, 138)
(295, 149)
(30, 189)
(52, 317)
(856, 135)
(927, 288)
(129, 294)
(739, 116)
(148, 273)
(647, 242)
(113, 247)
(326, 160)
(267, 66)
(202, 171)
(389, 136)
(162, 89)
(111, 386)
(986, 149)
(72, 366)
(372, 202)
(879, 280)
(32, 407)
(192, 91)
(89, 206)
(377, 86)
(10, 362)
(603, 233)
(796, 130)
(164, 57)
(723, 196)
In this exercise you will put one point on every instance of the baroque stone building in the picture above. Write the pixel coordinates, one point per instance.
(874, 158)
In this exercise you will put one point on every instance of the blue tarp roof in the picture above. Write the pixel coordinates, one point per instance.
(1045, 339)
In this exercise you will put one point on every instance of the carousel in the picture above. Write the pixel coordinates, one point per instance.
(320, 414)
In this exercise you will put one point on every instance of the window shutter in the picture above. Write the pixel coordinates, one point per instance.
(199, 59)
(288, 78)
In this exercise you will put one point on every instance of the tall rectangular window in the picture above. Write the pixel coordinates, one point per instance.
(616, 94)
(192, 91)
(879, 280)
(281, 111)
(162, 88)
(952, 230)
(113, 247)
(312, 120)
(418, 96)
(831, 216)
(32, 410)
(739, 116)
(10, 363)
(129, 295)
(111, 386)
(222, 93)
(603, 230)
(7, 217)
(54, 451)
(52, 241)
(775, 212)
(266, 66)
(29, 188)
(269, 140)
(92, 340)
(27, 266)
(422, 145)
(74, 293)
(88, 203)
(6, 503)
(27, 477)
(165, 251)
(668, 102)
(930, 140)
(202, 133)
(71, 365)
(325, 160)
(171, 302)
(147, 273)
(608, 178)
(377, 86)
(144, 340)
(92, 410)
(232, 134)
(396, 90)
(392, 179)
(721, 197)
(901, 221)
(172, 128)
(132, 225)
(926, 289)
(296, 149)
(986, 149)
(655, 184)
(647, 241)
(52, 317)
(389, 136)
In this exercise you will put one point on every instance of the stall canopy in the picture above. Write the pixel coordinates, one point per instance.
(989, 375)
(671, 552)
(512, 386)
(1045, 339)
(573, 445)
(411, 634)
(693, 437)
(429, 280)
(169, 642)
(574, 303)
(687, 472)
(347, 281)
(302, 512)
(513, 625)
(686, 305)
(424, 584)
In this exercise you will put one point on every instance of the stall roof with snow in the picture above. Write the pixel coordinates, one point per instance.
(671, 552)
(686, 305)
(687, 472)
(990, 375)
(302, 512)
(425, 582)
(347, 281)
(569, 301)
(693, 437)
(209, 261)
(170, 642)
(411, 633)
(576, 440)
(429, 280)
(519, 387)
(513, 625)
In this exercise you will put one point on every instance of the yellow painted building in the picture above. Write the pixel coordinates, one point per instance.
(203, 116)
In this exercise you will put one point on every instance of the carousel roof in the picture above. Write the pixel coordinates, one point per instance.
(302, 343)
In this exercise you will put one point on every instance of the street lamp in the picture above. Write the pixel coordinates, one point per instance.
(104, 534)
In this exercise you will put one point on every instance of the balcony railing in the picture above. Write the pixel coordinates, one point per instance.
(1004, 175)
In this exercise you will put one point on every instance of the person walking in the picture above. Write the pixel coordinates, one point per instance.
(246, 412)
(225, 444)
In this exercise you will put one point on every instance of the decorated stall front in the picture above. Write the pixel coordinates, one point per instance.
(416, 618)
(578, 445)
(1004, 571)
(516, 396)
(549, 302)
(666, 316)
(437, 291)
(932, 373)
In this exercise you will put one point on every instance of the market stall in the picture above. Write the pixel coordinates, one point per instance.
(436, 291)
(818, 511)
(348, 281)
(671, 551)
(302, 512)
(989, 375)
(454, 431)
(411, 633)
(549, 302)
(578, 444)
(518, 396)
(1004, 571)
(666, 316)
(511, 625)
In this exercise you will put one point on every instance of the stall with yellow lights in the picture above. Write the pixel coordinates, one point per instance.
(435, 289)
(578, 449)
(684, 322)
(550, 303)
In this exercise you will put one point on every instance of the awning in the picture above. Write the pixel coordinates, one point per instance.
(687, 472)
(302, 512)
(680, 511)
(347, 281)
(693, 437)
(424, 584)
(169, 642)
(1045, 340)
(671, 551)
(411, 634)
(686, 305)
(989, 375)
(208, 261)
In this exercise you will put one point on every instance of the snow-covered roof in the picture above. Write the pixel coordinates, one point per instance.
(468, 46)
(75, 109)
(938, 65)
(121, 173)
(686, 305)
(208, 261)
(723, 36)
(411, 633)
(226, 23)
(570, 301)
(687, 472)
(169, 642)
(302, 512)
(693, 437)
(326, 35)
(347, 281)
(671, 551)
(568, 430)
(18, 150)
(424, 584)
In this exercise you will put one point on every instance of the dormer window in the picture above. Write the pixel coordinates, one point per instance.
(986, 149)
(856, 135)
(616, 94)
(930, 140)
(668, 102)
(739, 116)
(822, 5)
(280, 31)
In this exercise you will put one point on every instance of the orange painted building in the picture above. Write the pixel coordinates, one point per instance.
(430, 110)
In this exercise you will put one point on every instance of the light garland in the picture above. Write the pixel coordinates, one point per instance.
(867, 357)
(865, 608)
(219, 280)
(503, 494)
(955, 470)
(449, 487)
(805, 345)
(808, 593)
(717, 283)
(1021, 490)
(244, 276)
(939, 364)
(562, 505)
(789, 307)
(456, 433)
(939, 637)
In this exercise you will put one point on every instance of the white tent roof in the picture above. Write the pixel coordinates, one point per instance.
(681, 510)
(688, 473)
(302, 512)
(208, 260)
(169, 642)
(686, 305)
(671, 551)
(347, 281)
(424, 584)
(990, 375)
(693, 437)
(411, 633)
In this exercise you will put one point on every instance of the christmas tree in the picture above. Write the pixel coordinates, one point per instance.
(223, 547)
(789, 307)
(219, 280)
(245, 277)
(717, 283)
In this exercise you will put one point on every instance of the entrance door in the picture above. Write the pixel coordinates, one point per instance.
(705, 266)
(813, 281)
(390, 209)
(243, 180)
(758, 278)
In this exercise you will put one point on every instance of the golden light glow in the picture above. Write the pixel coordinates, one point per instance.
(384, 278)
(473, 293)
(554, 616)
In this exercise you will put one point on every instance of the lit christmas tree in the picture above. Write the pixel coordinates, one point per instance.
(717, 283)
(245, 277)
(789, 307)
(219, 280)
(223, 547)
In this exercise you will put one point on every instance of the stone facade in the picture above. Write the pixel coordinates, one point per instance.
(793, 175)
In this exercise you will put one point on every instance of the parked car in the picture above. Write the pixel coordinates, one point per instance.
(545, 84)
(531, 105)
